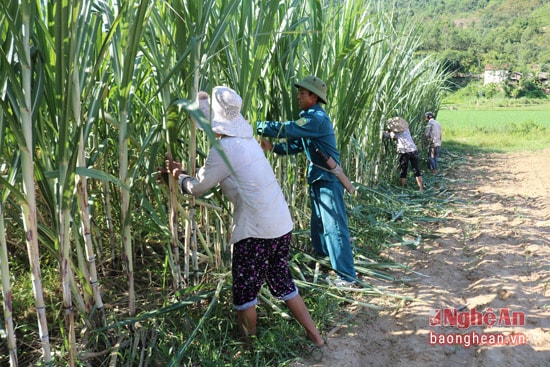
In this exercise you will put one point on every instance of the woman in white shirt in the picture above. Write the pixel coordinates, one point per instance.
(262, 225)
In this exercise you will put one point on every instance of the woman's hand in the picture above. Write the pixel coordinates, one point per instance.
(266, 145)
(173, 168)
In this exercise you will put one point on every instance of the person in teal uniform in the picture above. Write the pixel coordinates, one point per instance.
(313, 131)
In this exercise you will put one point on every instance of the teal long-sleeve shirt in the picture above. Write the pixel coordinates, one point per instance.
(313, 130)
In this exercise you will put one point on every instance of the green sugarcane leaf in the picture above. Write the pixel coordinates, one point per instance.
(100, 175)
(19, 196)
(173, 127)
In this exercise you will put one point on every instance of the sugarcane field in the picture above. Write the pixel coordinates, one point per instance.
(274, 183)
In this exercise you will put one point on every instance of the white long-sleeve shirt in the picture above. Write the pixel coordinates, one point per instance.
(432, 133)
(260, 209)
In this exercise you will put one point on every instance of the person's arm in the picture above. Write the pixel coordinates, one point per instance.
(272, 129)
(213, 172)
(428, 134)
(291, 146)
(307, 126)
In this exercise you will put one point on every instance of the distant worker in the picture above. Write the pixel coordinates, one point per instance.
(398, 128)
(432, 137)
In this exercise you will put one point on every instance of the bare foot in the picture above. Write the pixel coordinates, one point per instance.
(318, 340)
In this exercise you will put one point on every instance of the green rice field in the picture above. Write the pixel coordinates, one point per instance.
(499, 129)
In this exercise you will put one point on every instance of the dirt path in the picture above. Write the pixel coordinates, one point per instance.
(492, 256)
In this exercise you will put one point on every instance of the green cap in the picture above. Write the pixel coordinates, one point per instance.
(314, 85)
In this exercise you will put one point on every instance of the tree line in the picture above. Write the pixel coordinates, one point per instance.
(469, 34)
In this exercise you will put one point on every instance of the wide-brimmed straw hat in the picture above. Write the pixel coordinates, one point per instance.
(224, 112)
(397, 124)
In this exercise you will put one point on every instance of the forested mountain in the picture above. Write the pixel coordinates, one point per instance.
(469, 34)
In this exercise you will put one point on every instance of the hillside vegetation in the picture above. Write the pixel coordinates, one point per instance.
(470, 34)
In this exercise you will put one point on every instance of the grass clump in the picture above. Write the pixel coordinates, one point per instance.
(526, 128)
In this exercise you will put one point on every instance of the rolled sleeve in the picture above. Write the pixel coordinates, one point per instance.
(183, 184)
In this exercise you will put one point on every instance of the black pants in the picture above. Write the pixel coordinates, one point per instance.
(404, 159)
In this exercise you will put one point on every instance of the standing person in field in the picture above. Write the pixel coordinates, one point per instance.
(397, 128)
(262, 225)
(313, 131)
(432, 137)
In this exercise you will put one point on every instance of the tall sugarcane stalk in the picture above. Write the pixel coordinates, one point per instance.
(31, 229)
(171, 125)
(82, 196)
(172, 132)
(191, 225)
(68, 32)
(4, 264)
(85, 32)
(125, 208)
(6, 292)
(27, 165)
(133, 35)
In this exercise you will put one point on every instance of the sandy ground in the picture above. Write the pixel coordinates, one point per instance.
(490, 258)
